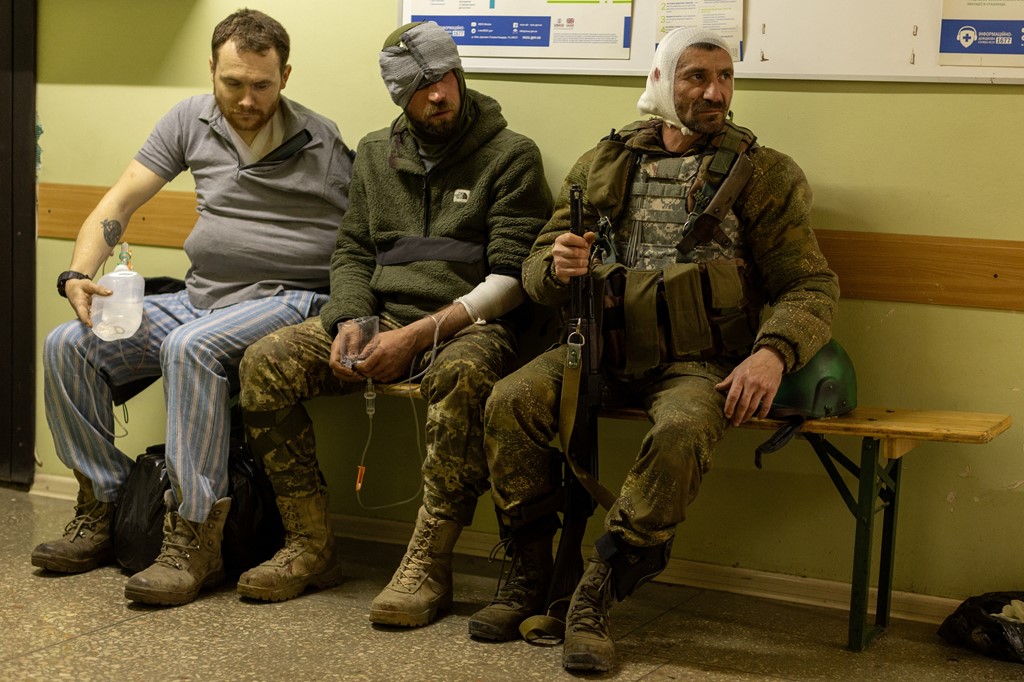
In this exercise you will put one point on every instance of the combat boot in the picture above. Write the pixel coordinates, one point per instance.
(588, 641)
(524, 592)
(189, 559)
(422, 585)
(309, 556)
(86, 543)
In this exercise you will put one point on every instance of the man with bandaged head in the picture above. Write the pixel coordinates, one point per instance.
(443, 207)
(702, 227)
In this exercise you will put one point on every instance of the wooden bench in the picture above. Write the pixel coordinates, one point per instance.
(870, 265)
(886, 435)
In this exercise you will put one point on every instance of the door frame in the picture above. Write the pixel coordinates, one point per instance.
(18, 241)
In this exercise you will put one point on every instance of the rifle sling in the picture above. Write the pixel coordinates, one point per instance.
(730, 189)
(705, 225)
(566, 423)
(543, 630)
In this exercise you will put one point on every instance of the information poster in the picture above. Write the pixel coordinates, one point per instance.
(982, 33)
(581, 29)
(725, 17)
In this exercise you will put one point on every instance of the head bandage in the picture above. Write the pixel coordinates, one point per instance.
(659, 97)
(416, 55)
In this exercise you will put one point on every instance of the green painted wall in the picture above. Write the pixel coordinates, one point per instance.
(932, 159)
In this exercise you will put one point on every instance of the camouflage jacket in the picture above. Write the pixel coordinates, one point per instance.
(773, 213)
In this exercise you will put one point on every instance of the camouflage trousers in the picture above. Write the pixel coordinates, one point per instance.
(686, 413)
(291, 365)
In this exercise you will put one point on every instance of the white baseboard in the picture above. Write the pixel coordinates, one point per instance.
(825, 593)
(778, 586)
(61, 487)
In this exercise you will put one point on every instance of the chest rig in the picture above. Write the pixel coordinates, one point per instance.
(681, 288)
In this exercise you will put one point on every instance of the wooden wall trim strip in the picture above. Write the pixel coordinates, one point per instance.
(978, 273)
(164, 220)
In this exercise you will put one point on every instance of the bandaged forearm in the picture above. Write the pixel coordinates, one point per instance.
(492, 298)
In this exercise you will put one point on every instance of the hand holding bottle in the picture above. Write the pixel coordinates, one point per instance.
(118, 315)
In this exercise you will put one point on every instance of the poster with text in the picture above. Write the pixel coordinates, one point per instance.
(982, 33)
(725, 17)
(582, 29)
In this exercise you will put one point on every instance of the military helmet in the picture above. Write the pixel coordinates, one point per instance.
(824, 387)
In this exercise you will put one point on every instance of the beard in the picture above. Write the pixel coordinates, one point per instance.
(246, 118)
(696, 118)
(437, 129)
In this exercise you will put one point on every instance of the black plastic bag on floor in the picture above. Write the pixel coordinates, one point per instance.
(975, 626)
(252, 532)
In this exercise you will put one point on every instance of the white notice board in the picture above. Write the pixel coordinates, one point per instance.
(862, 40)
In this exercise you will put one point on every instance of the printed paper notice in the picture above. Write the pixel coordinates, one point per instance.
(982, 33)
(571, 29)
(725, 17)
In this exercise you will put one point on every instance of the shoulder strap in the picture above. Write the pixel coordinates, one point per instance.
(722, 180)
(731, 142)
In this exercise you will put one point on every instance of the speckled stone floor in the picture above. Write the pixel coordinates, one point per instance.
(56, 627)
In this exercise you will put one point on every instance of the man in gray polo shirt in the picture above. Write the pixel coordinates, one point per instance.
(272, 183)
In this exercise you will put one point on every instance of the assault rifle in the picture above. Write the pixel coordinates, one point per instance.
(580, 402)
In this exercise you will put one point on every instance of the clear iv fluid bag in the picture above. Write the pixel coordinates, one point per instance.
(119, 315)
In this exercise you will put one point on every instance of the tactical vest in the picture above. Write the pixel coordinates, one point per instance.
(680, 293)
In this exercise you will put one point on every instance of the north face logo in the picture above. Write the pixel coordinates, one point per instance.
(461, 196)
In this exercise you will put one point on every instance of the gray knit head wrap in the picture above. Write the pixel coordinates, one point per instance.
(415, 55)
(659, 97)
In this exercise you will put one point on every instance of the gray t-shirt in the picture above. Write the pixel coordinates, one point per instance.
(262, 227)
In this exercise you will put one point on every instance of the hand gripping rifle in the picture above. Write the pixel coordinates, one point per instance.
(578, 411)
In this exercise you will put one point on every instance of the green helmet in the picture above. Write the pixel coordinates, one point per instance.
(824, 387)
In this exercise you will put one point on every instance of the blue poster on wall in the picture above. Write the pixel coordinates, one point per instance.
(975, 34)
(494, 31)
(546, 29)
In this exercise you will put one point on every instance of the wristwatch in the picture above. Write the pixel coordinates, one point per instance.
(62, 280)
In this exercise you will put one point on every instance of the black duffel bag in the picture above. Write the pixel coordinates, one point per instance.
(252, 532)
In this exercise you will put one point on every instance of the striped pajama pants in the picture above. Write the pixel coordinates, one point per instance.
(195, 351)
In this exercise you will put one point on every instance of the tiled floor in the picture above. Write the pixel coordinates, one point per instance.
(81, 628)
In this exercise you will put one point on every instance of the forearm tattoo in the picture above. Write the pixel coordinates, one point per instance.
(112, 231)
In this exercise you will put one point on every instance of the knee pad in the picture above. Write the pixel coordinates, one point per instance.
(268, 430)
(631, 566)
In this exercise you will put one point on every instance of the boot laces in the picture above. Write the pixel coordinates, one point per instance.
(295, 545)
(289, 515)
(288, 553)
(292, 518)
(178, 545)
(590, 612)
(87, 517)
(416, 562)
(513, 588)
(297, 538)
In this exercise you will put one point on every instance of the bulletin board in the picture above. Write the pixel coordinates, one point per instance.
(866, 40)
